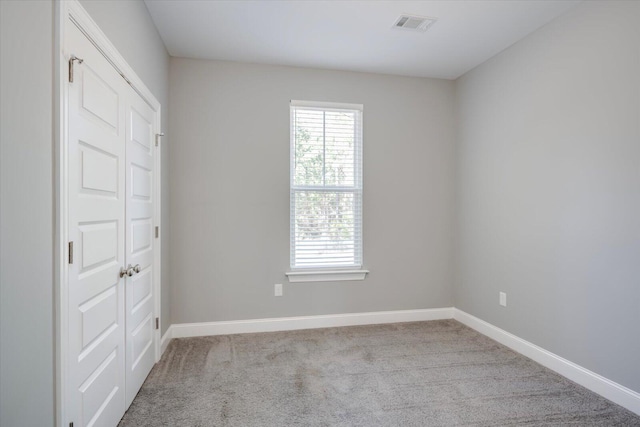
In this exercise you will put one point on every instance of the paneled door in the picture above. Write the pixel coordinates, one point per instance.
(111, 204)
(95, 386)
(140, 319)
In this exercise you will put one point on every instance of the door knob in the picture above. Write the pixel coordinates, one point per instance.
(136, 268)
(126, 272)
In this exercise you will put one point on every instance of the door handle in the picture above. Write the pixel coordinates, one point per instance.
(136, 268)
(128, 271)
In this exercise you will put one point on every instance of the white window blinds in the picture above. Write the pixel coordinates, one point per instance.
(326, 185)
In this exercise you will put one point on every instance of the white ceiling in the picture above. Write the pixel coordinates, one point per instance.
(350, 35)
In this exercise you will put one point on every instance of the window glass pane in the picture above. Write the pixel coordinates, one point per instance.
(309, 147)
(339, 148)
(324, 228)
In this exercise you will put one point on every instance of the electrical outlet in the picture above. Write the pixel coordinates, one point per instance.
(503, 299)
(277, 289)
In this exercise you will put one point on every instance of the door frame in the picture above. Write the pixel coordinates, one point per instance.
(71, 12)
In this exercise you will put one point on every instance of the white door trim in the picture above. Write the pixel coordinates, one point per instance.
(66, 11)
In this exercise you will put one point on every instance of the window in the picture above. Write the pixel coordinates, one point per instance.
(326, 191)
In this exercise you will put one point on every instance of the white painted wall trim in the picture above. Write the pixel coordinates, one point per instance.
(166, 339)
(325, 276)
(306, 322)
(606, 388)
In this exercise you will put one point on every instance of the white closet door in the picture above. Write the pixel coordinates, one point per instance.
(95, 388)
(140, 242)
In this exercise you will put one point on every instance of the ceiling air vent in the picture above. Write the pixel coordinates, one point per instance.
(414, 23)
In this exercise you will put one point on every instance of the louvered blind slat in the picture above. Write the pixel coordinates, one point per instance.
(326, 185)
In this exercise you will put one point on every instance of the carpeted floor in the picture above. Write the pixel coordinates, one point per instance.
(407, 374)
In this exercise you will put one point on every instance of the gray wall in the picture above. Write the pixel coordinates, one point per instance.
(129, 27)
(26, 214)
(549, 189)
(230, 191)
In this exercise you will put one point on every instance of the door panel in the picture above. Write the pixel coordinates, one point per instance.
(141, 285)
(140, 316)
(99, 171)
(99, 97)
(141, 230)
(99, 315)
(103, 382)
(99, 244)
(142, 130)
(96, 320)
(141, 183)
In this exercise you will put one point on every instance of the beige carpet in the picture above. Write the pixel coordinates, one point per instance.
(407, 374)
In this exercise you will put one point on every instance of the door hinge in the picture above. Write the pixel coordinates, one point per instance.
(71, 60)
(157, 232)
(158, 136)
(157, 323)
(70, 252)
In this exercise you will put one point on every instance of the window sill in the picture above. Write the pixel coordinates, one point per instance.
(325, 275)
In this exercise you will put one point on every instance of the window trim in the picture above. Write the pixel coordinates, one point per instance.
(328, 273)
(319, 105)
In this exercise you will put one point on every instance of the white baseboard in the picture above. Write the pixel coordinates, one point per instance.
(184, 330)
(166, 339)
(606, 388)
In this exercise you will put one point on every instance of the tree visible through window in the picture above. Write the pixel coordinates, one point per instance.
(326, 185)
